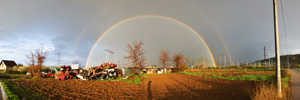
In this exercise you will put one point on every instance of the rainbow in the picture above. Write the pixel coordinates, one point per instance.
(149, 16)
(211, 24)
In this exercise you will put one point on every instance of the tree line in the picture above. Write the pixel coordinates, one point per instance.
(137, 59)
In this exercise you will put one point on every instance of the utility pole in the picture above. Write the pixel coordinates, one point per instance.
(265, 56)
(277, 49)
(111, 52)
(243, 63)
(269, 59)
(220, 60)
(191, 64)
(224, 60)
(196, 63)
(203, 61)
(288, 61)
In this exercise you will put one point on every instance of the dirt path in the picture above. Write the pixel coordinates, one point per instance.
(183, 87)
(295, 83)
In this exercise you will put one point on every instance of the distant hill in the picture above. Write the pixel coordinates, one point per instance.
(294, 60)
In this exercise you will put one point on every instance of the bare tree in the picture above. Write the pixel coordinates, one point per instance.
(31, 63)
(180, 61)
(36, 61)
(40, 56)
(136, 54)
(164, 58)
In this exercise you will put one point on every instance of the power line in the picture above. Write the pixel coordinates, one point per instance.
(284, 29)
(283, 19)
(3, 31)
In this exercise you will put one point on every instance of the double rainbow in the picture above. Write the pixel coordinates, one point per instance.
(149, 16)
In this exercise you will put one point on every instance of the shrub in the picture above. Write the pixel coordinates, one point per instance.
(46, 69)
(23, 69)
(9, 71)
(250, 67)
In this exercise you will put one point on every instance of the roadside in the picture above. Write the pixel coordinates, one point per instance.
(295, 83)
(1, 94)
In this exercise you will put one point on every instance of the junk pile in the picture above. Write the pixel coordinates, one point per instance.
(104, 71)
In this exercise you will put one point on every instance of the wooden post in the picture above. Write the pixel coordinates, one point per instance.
(277, 50)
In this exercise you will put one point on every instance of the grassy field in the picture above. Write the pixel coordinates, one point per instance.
(266, 80)
(252, 84)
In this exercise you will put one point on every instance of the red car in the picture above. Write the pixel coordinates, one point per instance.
(49, 75)
(65, 76)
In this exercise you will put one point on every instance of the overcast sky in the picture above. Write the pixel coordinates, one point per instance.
(71, 27)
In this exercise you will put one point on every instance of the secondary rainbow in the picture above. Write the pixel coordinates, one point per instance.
(149, 16)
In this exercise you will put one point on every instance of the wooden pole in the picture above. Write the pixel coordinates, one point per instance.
(277, 50)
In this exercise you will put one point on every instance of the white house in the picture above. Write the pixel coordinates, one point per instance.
(7, 64)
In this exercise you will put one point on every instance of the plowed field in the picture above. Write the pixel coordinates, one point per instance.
(179, 87)
(163, 86)
(77, 89)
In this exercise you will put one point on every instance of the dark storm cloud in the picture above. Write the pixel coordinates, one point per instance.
(246, 26)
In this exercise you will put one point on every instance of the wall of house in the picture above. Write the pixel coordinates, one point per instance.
(2, 66)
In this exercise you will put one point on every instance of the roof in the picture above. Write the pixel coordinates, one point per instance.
(9, 62)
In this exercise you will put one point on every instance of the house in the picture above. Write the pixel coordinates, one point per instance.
(7, 64)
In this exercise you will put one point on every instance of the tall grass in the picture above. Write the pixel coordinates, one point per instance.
(265, 91)
(268, 90)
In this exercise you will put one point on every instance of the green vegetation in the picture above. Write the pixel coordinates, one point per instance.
(18, 92)
(261, 69)
(246, 77)
(144, 75)
(285, 78)
(189, 73)
(9, 76)
(203, 73)
(10, 95)
(134, 79)
(24, 70)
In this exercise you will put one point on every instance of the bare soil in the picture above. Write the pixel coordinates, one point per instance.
(180, 87)
(156, 86)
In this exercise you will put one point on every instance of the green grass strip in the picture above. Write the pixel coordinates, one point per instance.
(10, 95)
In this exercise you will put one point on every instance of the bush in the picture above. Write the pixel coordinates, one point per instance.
(250, 67)
(9, 71)
(46, 69)
(23, 69)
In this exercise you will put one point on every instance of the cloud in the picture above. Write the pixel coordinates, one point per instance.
(72, 28)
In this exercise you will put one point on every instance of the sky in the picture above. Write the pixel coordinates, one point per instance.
(237, 28)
